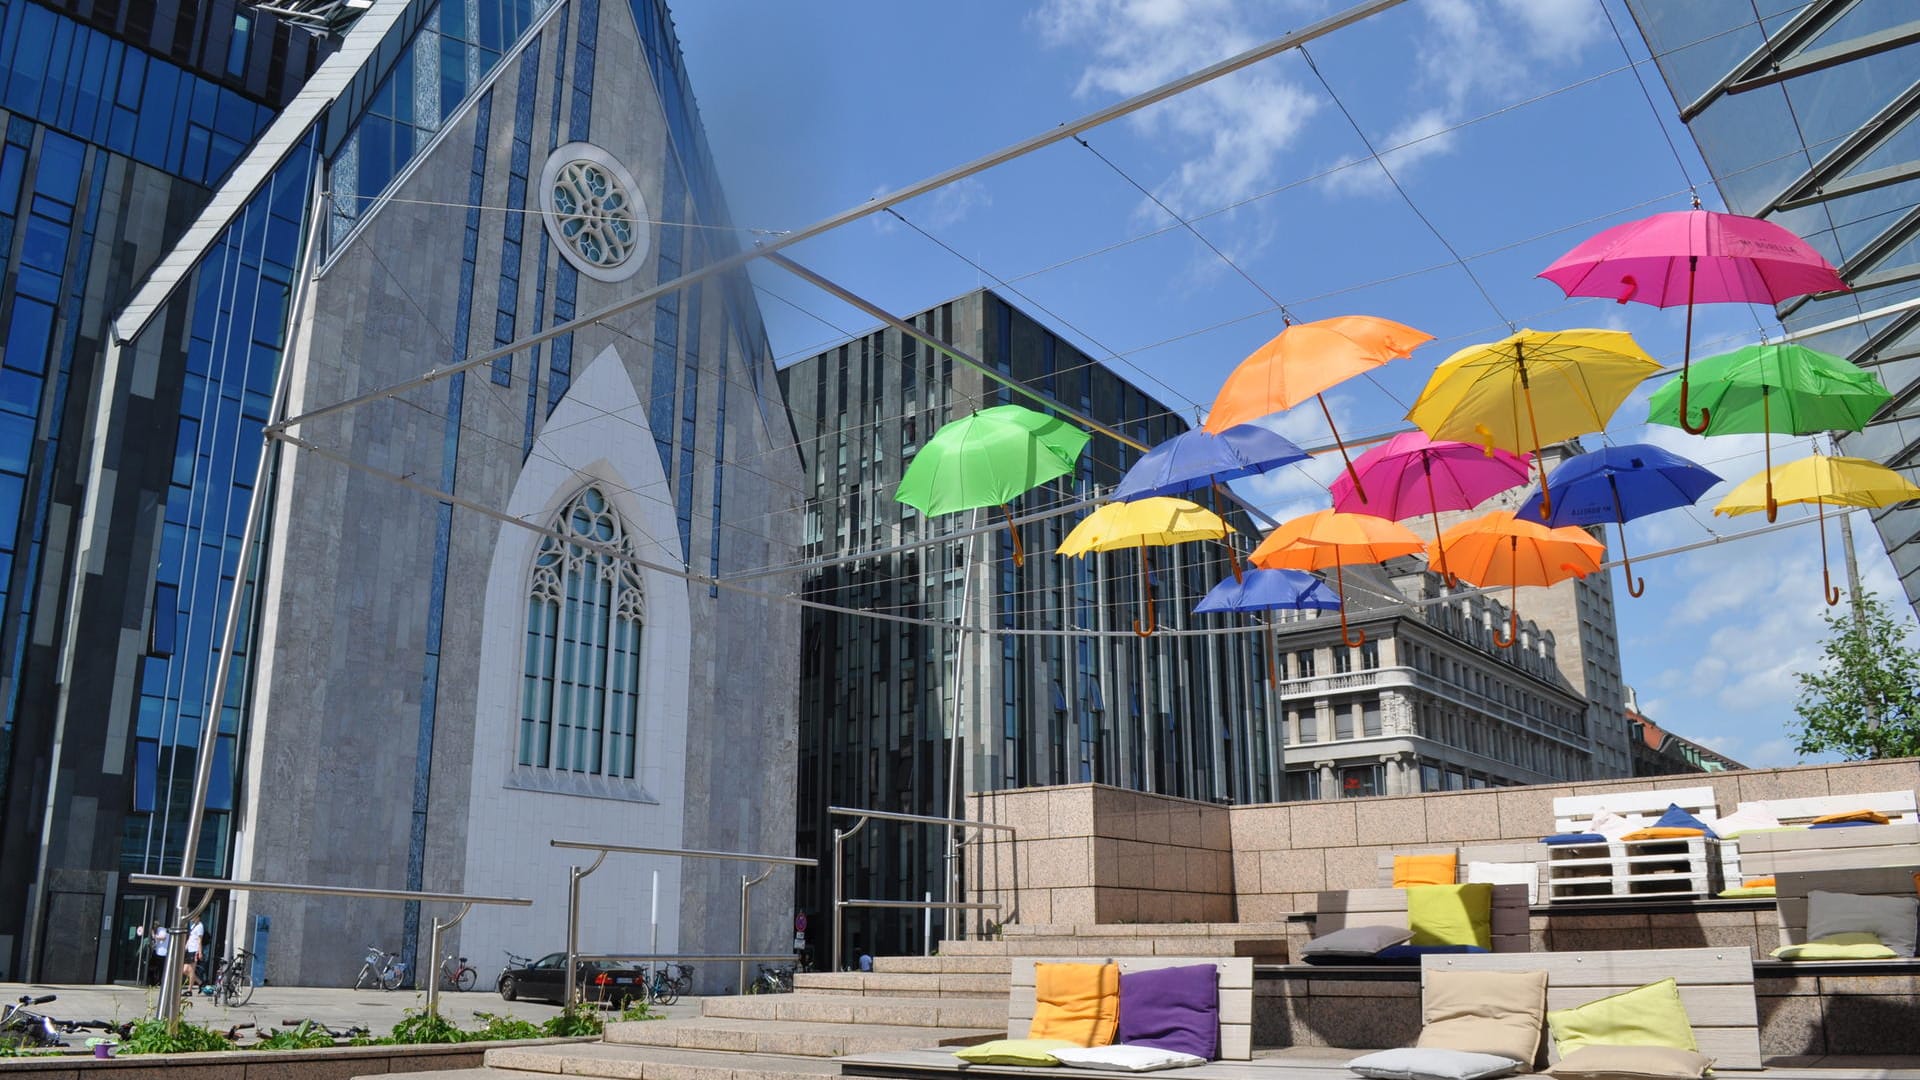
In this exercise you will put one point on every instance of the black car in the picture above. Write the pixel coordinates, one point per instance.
(546, 980)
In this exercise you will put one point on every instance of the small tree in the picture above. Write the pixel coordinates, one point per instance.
(1865, 700)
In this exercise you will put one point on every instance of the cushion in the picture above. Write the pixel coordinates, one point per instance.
(1126, 1058)
(1892, 919)
(1014, 1052)
(1354, 942)
(1747, 892)
(1840, 824)
(1176, 1008)
(1745, 819)
(1504, 873)
(1613, 826)
(1451, 915)
(1574, 838)
(1665, 832)
(1432, 1063)
(1632, 1063)
(1851, 946)
(1484, 1012)
(1076, 1002)
(1867, 817)
(1411, 870)
(1759, 882)
(1395, 954)
(1650, 1015)
(1676, 818)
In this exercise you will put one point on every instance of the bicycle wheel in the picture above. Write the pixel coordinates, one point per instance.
(466, 978)
(663, 993)
(390, 977)
(367, 977)
(240, 987)
(758, 986)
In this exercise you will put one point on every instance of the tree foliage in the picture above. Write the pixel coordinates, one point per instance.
(1864, 702)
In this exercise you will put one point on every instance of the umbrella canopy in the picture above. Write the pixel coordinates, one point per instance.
(1305, 359)
(989, 458)
(1823, 481)
(1531, 388)
(1154, 522)
(1198, 459)
(1693, 257)
(1498, 548)
(1790, 389)
(1410, 474)
(1270, 590)
(1328, 539)
(1620, 484)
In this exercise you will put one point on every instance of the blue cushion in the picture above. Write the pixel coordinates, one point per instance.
(1415, 952)
(1574, 838)
(1840, 824)
(1676, 818)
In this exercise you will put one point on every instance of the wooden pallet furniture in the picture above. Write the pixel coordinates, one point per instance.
(1630, 869)
(1716, 989)
(1898, 806)
(1791, 895)
(1388, 907)
(1771, 854)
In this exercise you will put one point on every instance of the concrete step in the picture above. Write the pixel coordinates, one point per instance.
(1264, 950)
(788, 1037)
(877, 983)
(614, 1062)
(1148, 930)
(941, 965)
(928, 1012)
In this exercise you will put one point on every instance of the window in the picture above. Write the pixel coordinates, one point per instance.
(1303, 664)
(580, 688)
(1342, 720)
(1361, 781)
(1370, 716)
(1342, 660)
(1370, 655)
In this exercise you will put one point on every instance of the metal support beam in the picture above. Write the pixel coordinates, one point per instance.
(1857, 271)
(1808, 25)
(1823, 181)
(433, 959)
(746, 919)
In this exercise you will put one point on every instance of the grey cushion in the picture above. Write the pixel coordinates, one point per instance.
(1895, 920)
(1355, 941)
(1432, 1063)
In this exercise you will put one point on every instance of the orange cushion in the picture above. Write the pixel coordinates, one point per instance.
(1076, 1002)
(1855, 815)
(1662, 832)
(1411, 870)
(1759, 883)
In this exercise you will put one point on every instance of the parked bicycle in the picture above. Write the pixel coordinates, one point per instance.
(382, 969)
(682, 976)
(661, 989)
(773, 979)
(233, 979)
(457, 974)
(23, 1028)
(356, 1031)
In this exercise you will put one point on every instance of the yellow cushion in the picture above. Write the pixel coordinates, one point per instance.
(1013, 1052)
(1648, 1016)
(1874, 816)
(1662, 832)
(1483, 1012)
(1076, 1002)
(1410, 870)
(1746, 892)
(1758, 882)
(1451, 915)
(1853, 945)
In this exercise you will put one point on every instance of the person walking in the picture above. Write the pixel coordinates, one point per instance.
(190, 963)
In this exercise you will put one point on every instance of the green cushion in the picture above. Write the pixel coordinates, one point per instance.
(1014, 1052)
(1451, 915)
(1741, 891)
(1649, 1016)
(1857, 945)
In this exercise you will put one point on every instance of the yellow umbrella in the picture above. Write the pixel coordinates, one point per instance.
(1531, 389)
(1823, 481)
(1157, 522)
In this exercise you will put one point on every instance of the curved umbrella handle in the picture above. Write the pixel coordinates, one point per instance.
(1636, 587)
(1513, 632)
(1146, 590)
(1351, 642)
(1019, 550)
(1233, 557)
(1833, 592)
(1340, 583)
(1826, 574)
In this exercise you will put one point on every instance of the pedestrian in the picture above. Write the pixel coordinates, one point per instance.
(160, 944)
(190, 963)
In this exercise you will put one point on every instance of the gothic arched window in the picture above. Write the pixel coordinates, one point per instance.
(580, 687)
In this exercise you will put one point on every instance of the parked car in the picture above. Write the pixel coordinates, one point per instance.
(546, 980)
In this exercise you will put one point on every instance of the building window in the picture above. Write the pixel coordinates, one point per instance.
(1360, 781)
(1429, 777)
(1303, 785)
(1303, 664)
(1370, 716)
(1370, 655)
(580, 690)
(1342, 660)
(594, 211)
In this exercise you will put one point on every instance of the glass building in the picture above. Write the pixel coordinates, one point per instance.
(1805, 114)
(207, 205)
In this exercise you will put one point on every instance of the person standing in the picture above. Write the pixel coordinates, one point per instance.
(160, 946)
(190, 963)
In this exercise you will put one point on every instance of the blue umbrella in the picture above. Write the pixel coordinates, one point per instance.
(1196, 459)
(1267, 590)
(1619, 484)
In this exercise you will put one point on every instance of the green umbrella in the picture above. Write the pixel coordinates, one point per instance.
(989, 458)
(1789, 389)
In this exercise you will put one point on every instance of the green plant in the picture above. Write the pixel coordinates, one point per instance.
(574, 1021)
(303, 1036)
(420, 1027)
(1865, 700)
(149, 1036)
(494, 1027)
(639, 1010)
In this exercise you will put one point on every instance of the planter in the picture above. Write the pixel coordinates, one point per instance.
(103, 1050)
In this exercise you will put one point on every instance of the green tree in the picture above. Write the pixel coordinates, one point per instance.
(1864, 702)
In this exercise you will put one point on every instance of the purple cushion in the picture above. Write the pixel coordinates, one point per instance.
(1172, 1008)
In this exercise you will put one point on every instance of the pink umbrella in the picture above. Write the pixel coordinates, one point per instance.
(1410, 474)
(1694, 256)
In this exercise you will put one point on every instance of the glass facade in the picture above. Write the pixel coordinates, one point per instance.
(1805, 113)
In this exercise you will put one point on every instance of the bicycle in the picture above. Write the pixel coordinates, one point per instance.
(233, 979)
(356, 1031)
(773, 979)
(21, 1027)
(382, 969)
(660, 987)
(682, 975)
(457, 974)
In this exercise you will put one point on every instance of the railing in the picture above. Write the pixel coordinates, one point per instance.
(841, 903)
(575, 873)
(169, 1005)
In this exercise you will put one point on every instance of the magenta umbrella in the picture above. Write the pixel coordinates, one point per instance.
(1410, 475)
(1689, 257)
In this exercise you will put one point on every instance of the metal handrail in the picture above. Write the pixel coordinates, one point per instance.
(920, 819)
(841, 903)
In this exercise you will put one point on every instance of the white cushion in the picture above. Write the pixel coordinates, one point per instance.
(1745, 819)
(1506, 873)
(1613, 826)
(1432, 1063)
(1122, 1058)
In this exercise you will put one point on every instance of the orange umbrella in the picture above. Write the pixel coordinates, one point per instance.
(1328, 538)
(1498, 548)
(1304, 359)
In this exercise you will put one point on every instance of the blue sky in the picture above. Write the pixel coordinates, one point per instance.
(1515, 127)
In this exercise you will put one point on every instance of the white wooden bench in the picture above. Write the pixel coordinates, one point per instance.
(1388, 907)
(1770, 854)
(1630, 869)
(1716, 989)
(1898, 806)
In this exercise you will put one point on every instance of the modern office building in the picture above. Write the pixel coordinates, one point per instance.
(1071, 695)
(1806, 119)
(481, 613)
(1659, 752)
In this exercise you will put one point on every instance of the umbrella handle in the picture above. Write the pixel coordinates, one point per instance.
(1359, 489)
(1019, 550)
(1826, 575)
(1233, 557)
(1513, 622)
(1146, 589)
(1636, 587)
(1686, 360)
(1351, 642)
(1766, 440)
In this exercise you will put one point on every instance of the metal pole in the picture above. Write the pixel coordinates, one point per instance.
(249, 533)
(433, 959)
(956, 804)
(1856, 601)
(839, 891)
(746, 918)
(926, 925)
(574, 874)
